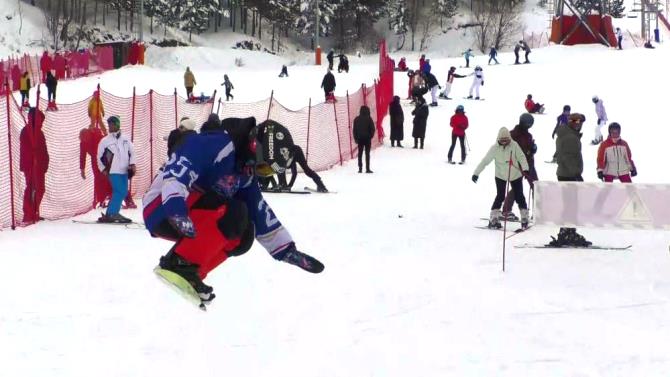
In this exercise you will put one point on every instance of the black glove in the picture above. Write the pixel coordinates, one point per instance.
(633, 172)
(482, 82)
(601, 176)
(475, 178)
(526, 174)
(533, 148)
(183, 225)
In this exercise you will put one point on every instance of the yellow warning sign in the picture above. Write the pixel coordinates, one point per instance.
(634, 211)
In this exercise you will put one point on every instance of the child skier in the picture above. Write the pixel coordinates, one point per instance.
(477, 81)
(229, 86)
(450, 79)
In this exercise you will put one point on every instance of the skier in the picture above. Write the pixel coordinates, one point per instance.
(570, 168)
(397, 122)
(207, 200)
(89, 138)
(526, 49)
(180, 134)
(458, 123)
(284, 71)
(343, 64)
(330, 57)
(51, 83)
(492, 55)
(328, 85)
(34, 163)
(510, 166)
(96, 111)
(614, 157)
(364, 131)
(561, 120)
(602, 119)
(527, 144)
(433, 85)
(229, 86)
(450, 79)
(619, 38)
(420, 113)
(116, 160)
(517, 48)
(189, 83)
(25, 90)
(477, 81)
(533, 107)
(467, 55)
(280, 152)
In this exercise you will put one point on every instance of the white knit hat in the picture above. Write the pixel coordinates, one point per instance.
(187, 123)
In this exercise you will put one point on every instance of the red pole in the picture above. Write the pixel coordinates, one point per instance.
(509, 172)
(272, 95)
(309, 116)
(176, 124)
(9, 148)
(365, 94)
(351, 146)
(151, 133)
(337, 130)
(211, 110)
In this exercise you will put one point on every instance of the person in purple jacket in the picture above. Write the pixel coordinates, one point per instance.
(602, 119)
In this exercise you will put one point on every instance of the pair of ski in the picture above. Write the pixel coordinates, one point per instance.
(130, 225)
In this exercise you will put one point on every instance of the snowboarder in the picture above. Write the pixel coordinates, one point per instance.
(533, 107)
(467, 55)
(561, 120)
(619, 38)
(177, 136)
(458, 123)
(602, 119)
(570, 168)
(614, 157)
(477, 81)
(450, 79)
(51, 83)
(527, 144)
(433, 85)
(510, 166)
(229, 86)
(492, 55)
(343, 64)
(34, 163)
(116, 160)
(25, 90)
(284, 71)
(328, 85)
(209, 203)
(330, 57)
(280, 152)
(364, 131)
(420, 113)
(189, 82)
(397, 122)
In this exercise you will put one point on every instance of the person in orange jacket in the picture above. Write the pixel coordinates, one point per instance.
(96, 111)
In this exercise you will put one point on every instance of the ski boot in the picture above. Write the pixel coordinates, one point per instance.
(510, 216)
(469, 97)
(568, 237)
(524, 219)
(320, 187)
(494, 219)
(189, 271)
(477, 98)
(114, 219)
(291, 255)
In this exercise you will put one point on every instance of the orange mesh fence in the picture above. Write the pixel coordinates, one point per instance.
(323, 130)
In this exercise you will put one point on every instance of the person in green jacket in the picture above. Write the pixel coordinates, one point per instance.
(570, 168)
(510, 166)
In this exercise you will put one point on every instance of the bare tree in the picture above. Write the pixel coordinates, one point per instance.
(498, 22)
(427, 21)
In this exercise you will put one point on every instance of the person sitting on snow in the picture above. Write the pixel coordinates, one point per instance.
(533, 107)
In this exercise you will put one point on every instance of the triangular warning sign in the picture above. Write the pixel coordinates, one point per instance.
(634, 211)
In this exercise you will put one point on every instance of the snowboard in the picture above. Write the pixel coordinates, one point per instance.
(311, 189)
(181, 286)
(592, 247)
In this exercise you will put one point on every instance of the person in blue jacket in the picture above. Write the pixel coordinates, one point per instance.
(208, 201)
(492, 55)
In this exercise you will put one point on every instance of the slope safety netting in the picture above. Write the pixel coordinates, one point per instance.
(323, 130)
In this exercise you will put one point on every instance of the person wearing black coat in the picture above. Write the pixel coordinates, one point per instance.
(177, 136)
(397, 122)
(330, 57)
(364, 130)
(51, 83)
(328, 83)
(420, 118)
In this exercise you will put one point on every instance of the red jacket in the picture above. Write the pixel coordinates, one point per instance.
(89, 138)
(45, 62)
(614, 158)
(34, 157)
(529, 105)
(459, 123)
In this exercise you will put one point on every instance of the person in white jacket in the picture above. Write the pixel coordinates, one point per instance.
(511, 165)
(602, 119)
(116, 160)
(477, 81)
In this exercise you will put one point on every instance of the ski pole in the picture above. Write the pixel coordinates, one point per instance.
(467, 142)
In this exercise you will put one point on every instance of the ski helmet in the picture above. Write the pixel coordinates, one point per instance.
(460, 109)
(526, 120)
(114, 120)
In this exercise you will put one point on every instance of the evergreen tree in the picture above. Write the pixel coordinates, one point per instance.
(397, 15)
(617, 8)
(445, 9)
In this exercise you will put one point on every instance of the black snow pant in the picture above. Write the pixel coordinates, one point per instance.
(517, 189)
(461, 139)
(418, 140)
(299, 159)
(51, 94)
(364, 147)
(228, 95)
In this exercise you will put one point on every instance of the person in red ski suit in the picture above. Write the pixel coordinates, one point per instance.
(88, 145)
(34, 163)
(45, 65)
